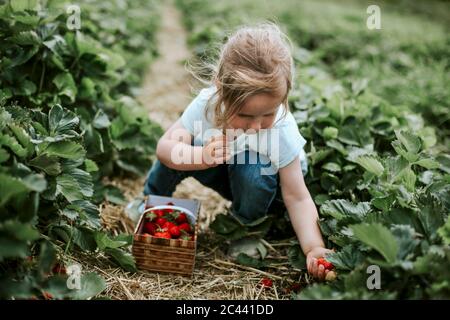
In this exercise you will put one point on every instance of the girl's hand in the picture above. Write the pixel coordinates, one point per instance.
(216, 151)
(314, 269)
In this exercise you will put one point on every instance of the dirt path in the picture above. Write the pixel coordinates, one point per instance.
(167, 92)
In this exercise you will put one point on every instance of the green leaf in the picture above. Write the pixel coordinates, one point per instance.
(84, 181)
(15, 238)
(103, 241)
(428, 163)
(341, 208)
(406, 239)
(411, 157)
(378, 237)
(66, 86)
(65, 149)
(9, 188)
(444, 231)
(25, 38)
(410, 141)
(348, 258)
(69, 188)
(101, 120)
(35, 182)
(4, 155)
(332, 167)
(47, 257)
(49, 164)
(371, 164)
(84, 238)
(87, 89)
(124, 259)
(297, 257)
(14, 145)
(330, 133)
(431, 213)
(91, 166)
(91, 285)
(408, 177)
(61, 121)
(224, 224)
(23, 137)
(250, 246)
(21, 5)
(114, 195)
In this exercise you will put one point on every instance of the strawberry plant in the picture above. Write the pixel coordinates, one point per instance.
(378, 153)
(65, 108)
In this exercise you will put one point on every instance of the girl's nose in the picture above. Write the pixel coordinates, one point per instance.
(255, 125)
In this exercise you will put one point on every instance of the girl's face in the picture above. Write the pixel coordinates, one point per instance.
(258, 112)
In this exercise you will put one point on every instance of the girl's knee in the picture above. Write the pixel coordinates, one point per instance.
(161, 180)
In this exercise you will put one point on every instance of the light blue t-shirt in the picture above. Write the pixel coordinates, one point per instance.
(281, 143)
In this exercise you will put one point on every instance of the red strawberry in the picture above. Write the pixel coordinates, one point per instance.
(47, 295)
(149, 227)
(164, 234)
(326, 264)
(160, 221)
(59, 269)
(168, 225)
(175, 231)
(170, 204)
(158, 213)
(181, 218)
(266, 282)
(185, 226)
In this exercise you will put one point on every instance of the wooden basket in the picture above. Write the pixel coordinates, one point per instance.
(166, 255)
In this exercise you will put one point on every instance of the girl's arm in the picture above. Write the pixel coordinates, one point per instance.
(303, 215)
(175, 150)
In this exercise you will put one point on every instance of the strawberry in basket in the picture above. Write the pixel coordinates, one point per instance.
(169, 222)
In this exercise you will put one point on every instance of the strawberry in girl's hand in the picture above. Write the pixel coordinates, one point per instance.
(326, 264)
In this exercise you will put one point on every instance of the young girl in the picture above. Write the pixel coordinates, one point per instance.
(239, 138)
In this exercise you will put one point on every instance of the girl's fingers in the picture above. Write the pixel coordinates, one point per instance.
(321, 272)
(314, 267)
(308, 265)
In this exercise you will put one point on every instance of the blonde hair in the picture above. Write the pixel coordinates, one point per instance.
(254, 60)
